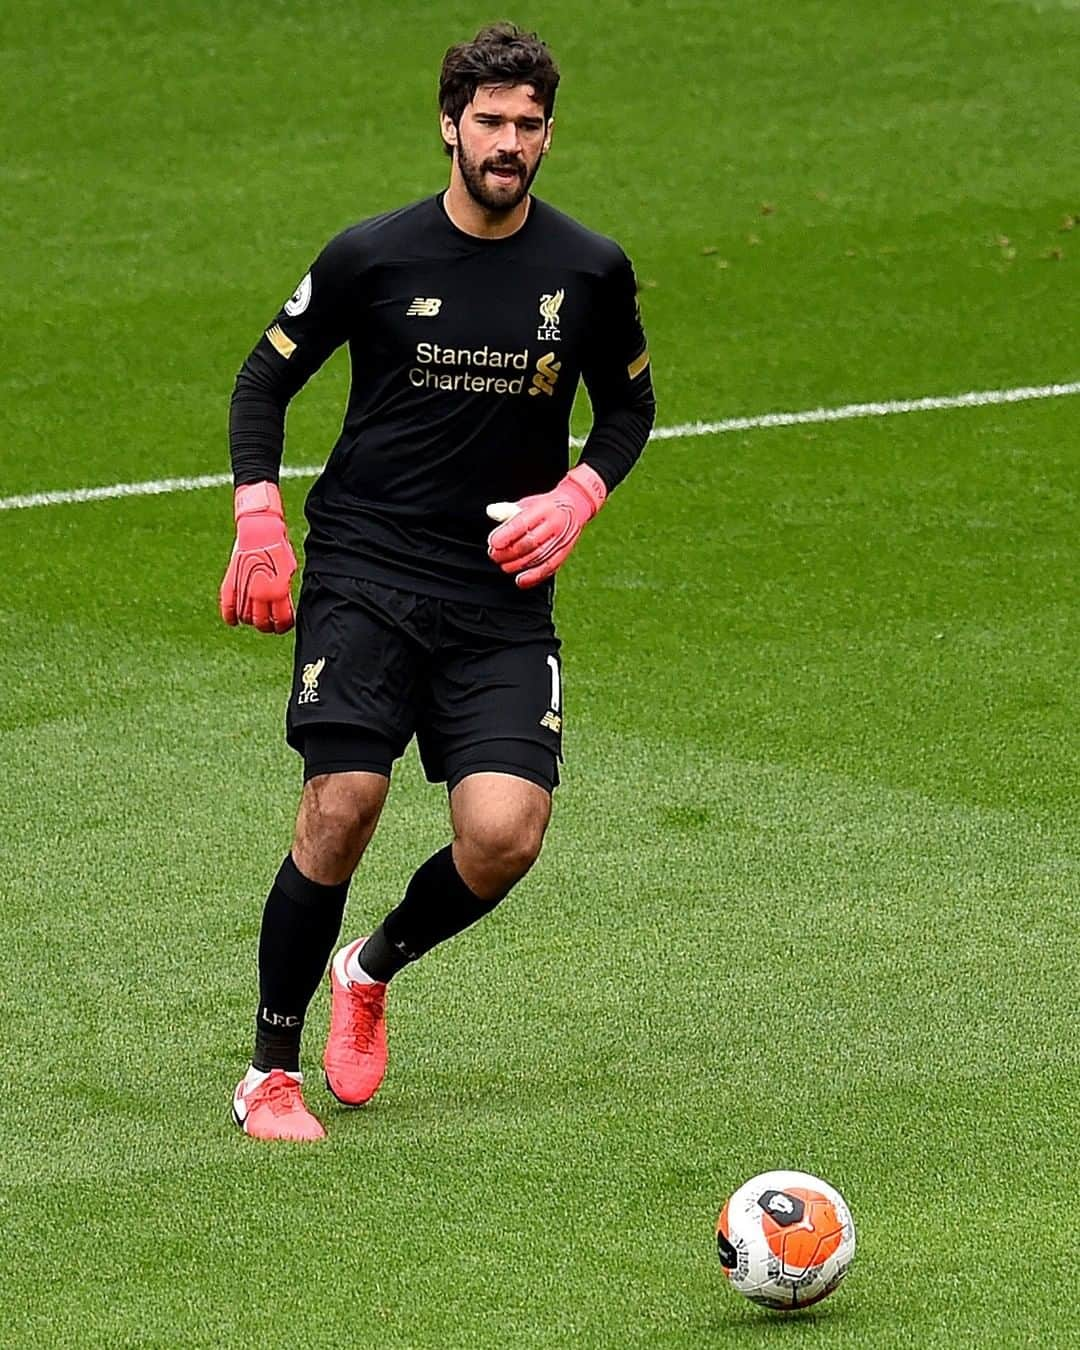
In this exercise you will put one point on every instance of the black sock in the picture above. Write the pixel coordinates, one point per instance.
(437, 905)
(300, 925)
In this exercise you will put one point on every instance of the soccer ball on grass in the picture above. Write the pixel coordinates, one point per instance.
(785, 1239)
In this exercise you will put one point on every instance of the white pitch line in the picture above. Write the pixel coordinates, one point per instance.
(151, 488)
(982, 398)
(891, 408)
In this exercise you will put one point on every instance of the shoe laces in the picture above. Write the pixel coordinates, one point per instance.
(282, 1096)
(365, 1009)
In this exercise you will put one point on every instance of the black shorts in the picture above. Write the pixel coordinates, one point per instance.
(480, 687)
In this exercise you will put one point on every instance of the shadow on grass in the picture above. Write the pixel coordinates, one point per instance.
(745, 1325)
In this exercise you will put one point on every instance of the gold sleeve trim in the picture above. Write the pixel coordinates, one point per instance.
(639, 363)
(282, 344)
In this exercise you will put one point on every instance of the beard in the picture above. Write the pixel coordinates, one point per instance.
(496, 197)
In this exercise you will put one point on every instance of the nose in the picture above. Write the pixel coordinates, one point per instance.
(508, 143)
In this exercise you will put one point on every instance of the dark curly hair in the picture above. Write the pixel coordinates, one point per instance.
(501, 53)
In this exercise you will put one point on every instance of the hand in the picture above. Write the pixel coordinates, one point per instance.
(256, 589)
(539, 532)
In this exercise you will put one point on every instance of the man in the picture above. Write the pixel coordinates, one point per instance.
(469, 317)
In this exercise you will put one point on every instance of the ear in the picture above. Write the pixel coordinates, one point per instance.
(547, 137)
(448, 128)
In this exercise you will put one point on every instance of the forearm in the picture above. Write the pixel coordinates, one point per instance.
(257, 422)
(619, 434)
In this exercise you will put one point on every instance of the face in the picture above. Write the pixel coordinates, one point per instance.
(500, 140)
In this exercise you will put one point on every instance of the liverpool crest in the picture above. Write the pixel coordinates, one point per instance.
(549, 314)
(310, 679)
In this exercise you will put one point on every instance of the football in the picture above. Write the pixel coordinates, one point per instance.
(785, 1239)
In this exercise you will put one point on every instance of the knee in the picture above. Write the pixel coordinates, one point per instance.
(335, 808)
(507, 847)
(336, 820)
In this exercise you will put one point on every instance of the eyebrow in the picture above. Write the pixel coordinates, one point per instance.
(527, 120)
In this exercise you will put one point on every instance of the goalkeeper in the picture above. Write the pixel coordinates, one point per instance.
(435, 530)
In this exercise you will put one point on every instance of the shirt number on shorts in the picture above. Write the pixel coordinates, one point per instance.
(556, 684)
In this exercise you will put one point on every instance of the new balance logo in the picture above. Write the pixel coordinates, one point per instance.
(424, 307)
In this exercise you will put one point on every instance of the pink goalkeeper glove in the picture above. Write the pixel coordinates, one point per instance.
(256, 586)
(539, 532)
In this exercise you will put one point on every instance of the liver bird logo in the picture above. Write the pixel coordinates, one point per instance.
(311, 673)
(549, 307)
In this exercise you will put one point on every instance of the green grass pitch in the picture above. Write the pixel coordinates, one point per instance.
(810, 896)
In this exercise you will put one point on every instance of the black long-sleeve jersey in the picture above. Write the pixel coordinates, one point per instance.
(466, 355)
